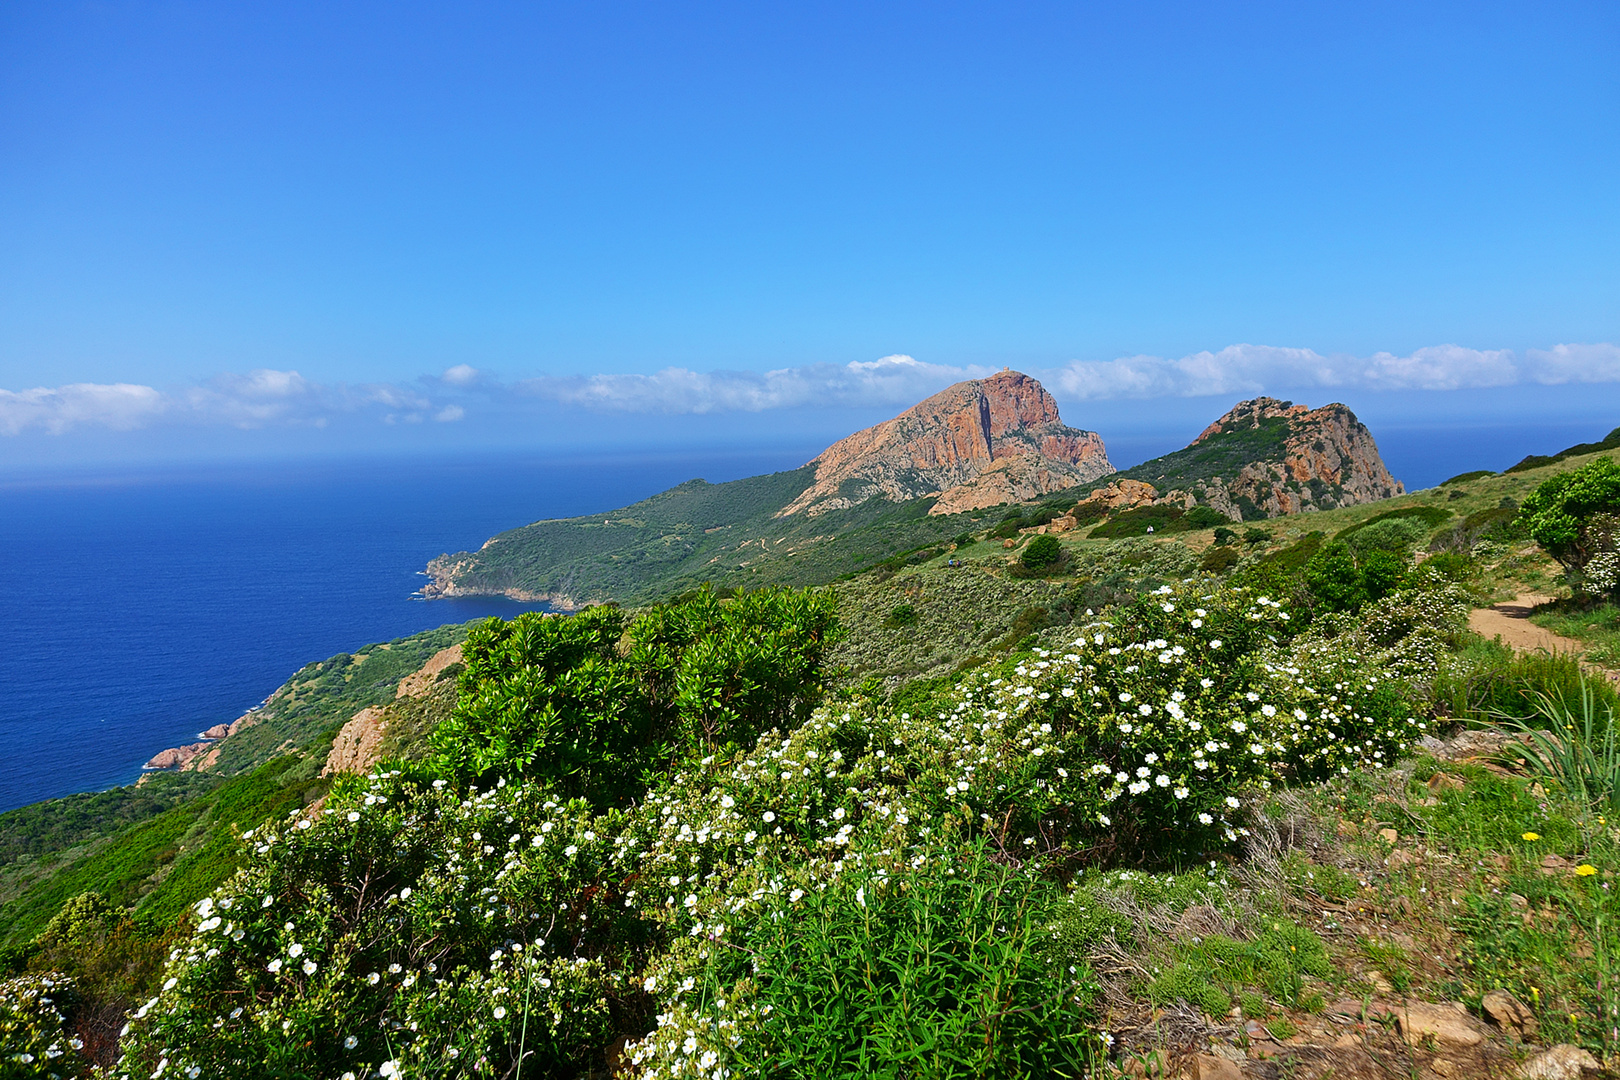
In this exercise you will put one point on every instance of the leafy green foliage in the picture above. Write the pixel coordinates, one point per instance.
(901, 615)
(1577, 750)
(160, 866)
(1463, 478)
(1344, 582)
(1573, 515)
(1041, 554)
(592, 703)
(945, 973)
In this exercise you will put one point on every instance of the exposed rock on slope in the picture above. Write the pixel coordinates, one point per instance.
(354, 750)
(1266, 458)
(975, 444)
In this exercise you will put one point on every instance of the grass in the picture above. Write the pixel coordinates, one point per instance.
(1598, 628)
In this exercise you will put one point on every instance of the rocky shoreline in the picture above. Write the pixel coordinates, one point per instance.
(193, 757)
(442, 575)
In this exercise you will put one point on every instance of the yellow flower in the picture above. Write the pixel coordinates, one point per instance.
(1532, 836)
(1586, 870)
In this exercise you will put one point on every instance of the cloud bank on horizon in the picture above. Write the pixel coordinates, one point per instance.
(264, 397)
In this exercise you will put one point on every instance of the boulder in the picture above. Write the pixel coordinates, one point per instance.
(1510, 1014)
(1447, 1023)
(1562, 1062)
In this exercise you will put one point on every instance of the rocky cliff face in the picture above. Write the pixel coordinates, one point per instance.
(1327, 458)
(975, 444)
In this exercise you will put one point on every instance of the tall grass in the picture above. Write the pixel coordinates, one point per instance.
(1488, 682)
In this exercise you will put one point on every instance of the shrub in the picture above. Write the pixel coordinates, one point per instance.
(1041, 554)
(1573, 515)
(33, 1042)
(1204, 517)
(1219, 559)
(1583, 757)
(1224, 535)
(901, 615)
(938, 969)
(591, 704)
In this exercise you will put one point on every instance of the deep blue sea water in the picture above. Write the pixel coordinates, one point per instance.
(139, 609)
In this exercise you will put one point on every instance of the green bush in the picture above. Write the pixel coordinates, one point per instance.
(591, 704)
(1219, 558)
(1041, 554)
(901, 615)
(1574, 516)
(1204, 517)
(1224, 535)
(941, 969)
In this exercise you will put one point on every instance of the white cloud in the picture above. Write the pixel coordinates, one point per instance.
(120, 406)
(266, 397)
(1254, 369)
(891, 380)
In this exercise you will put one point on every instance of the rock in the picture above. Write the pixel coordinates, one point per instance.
(1389, 836)
(1122, 494)
(1327, 459)
(1444, 782)
(218, 731)
(1379, 982)
(1445, 1067)
(1254, 1029)
(419, 682)
(975, 444)
(1447, 1023)
(356, 746)
(1510, 1014)
(177, 757)
(1211, 1067)
(1347, 1041)
(1561, 1062)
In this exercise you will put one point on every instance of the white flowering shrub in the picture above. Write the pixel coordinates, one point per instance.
(32, 1040)
(1601, 574)
(405, 923)
(853, 889)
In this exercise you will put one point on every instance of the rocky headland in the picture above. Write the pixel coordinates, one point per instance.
(975, 444)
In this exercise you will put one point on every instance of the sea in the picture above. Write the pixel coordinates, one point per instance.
(142, 606)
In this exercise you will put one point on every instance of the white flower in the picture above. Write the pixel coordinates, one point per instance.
(860, 896)
(350, 1043)
(295, 950)
(390, 1070)
(1181, 793)
(1125, 696)
(769, 816)
(1205, 819)
(1215, 643)
(794, 896)
(273, 966)
(309, 967)
(354, 815)
(500, 1012)
(1232, 802)
(1162, 780)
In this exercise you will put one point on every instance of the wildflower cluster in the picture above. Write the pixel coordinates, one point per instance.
(404, 923)
(414, 924)
(32, 1039)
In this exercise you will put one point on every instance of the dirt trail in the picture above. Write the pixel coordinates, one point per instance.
(1511, 622)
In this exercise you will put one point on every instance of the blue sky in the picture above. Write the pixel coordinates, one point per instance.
(336, 228)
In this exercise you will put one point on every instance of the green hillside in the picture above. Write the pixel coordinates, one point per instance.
(699, 533)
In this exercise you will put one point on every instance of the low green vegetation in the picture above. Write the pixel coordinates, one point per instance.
(1065, 806)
